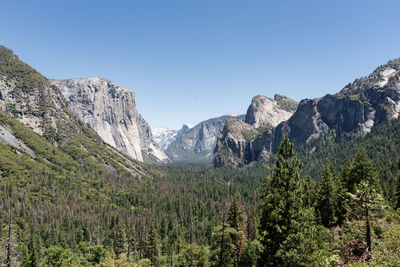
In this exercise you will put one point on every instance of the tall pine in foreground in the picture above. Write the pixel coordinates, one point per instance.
(366, 203)
(362, 168)
(287, 225)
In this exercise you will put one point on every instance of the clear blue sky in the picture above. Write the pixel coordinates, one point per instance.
(192, 60)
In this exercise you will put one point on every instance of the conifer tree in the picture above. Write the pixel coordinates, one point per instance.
(331, 200)
(397, 192)
(234, 218)
(223, 245)
(119, 241)
(286, 226)
(367, 205)
(362, 168)
(32, 256)
(152, 246)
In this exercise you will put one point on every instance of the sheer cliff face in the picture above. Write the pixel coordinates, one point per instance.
(111, 111)
(354, 110)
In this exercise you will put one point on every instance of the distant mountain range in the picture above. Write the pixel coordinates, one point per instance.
(197, 144)
(194, 144)
(164, 137)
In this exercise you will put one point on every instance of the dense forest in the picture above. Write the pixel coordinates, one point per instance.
(286, 213)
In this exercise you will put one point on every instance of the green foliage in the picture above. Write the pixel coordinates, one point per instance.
(331, 199)
(152, 246)
(31, 259)
(287, 104)
(250, 253)
(234, 218)
(287, 227)
(362, 169)
(22, 73)
(250, 135)
(192, 255)
(382, 146)
(223, 245)
(397, 192)
(58, 257)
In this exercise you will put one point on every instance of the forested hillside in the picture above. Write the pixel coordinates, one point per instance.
(382, 145)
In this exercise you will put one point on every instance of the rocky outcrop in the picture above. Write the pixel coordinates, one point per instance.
(239, 142)
(266, 111)
(198, 143)
(232, 146)
(28, 96)
(111, 111)
(355, 110)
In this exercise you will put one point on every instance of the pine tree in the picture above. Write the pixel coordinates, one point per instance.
(152, 246)
(32, 256)
(366, 200)
(235, 218)
(119, 242)
(397, 192)
(223, 245)
(286, 227)
(367, 204)
(362, 168)
(331, 200)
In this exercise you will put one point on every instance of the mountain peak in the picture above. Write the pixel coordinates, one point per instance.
(266, 111)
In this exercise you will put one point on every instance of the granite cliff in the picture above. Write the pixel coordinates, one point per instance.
(111, 111)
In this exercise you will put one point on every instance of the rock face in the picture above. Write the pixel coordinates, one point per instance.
(354, 110)
(232, 146)
(111, 111)
(265, 111)
(28, 96)
(198, 143)
(238, 143)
